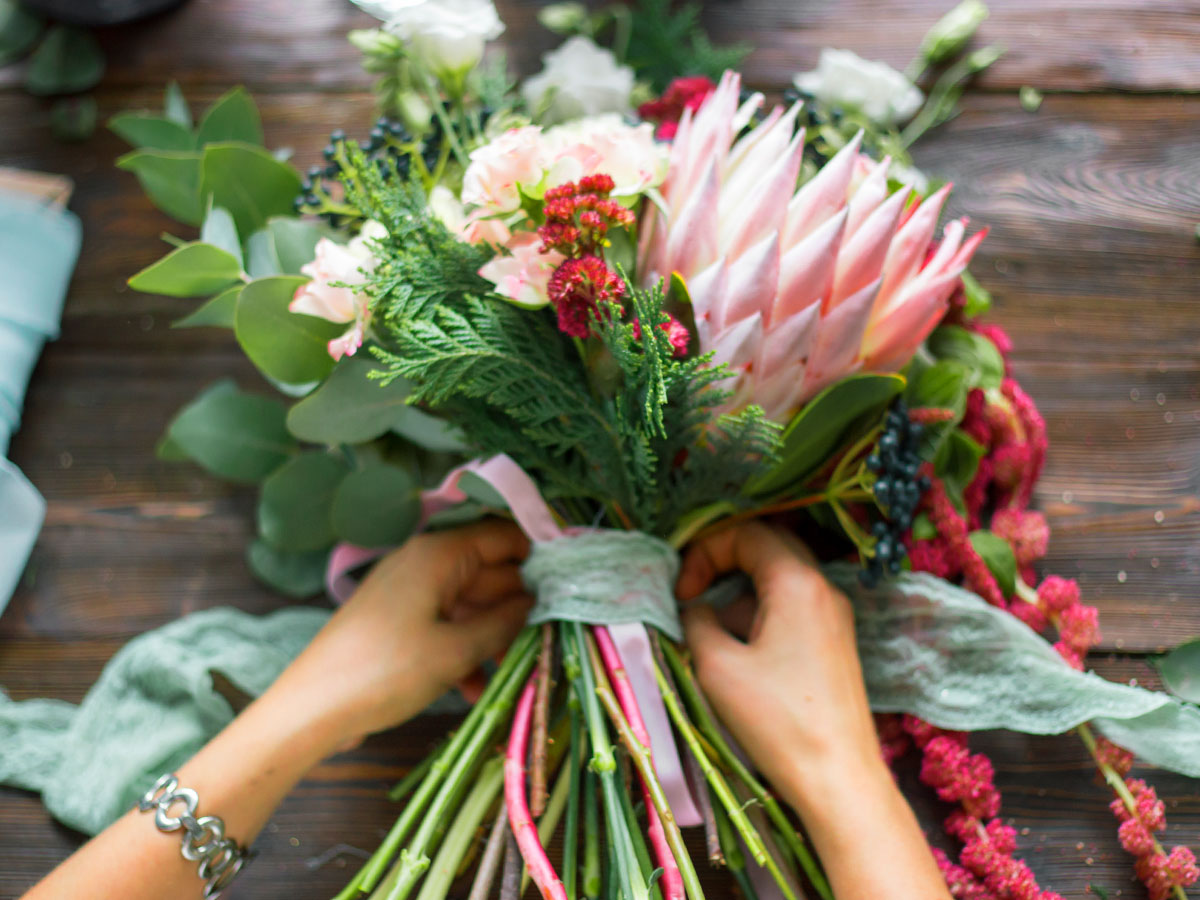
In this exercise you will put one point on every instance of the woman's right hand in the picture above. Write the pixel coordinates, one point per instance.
(792, 691)
(792, 694)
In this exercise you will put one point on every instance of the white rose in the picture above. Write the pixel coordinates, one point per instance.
(578, 79)
(446, 35)
(873, 88)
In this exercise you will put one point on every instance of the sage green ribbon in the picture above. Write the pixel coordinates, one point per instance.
(605, 578)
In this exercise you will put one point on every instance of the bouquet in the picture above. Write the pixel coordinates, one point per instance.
(624, 331)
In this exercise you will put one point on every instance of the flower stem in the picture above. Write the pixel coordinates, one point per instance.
(460, 757)
(593, 882)
(685, 679)
(405, 786)
(489, 863)
(678, 872)
(735, 861)
(571, 829)
(459, 837)
(439, 112)
(541, 715)
(510, 878)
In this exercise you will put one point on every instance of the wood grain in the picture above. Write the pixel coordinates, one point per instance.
(1092, 202)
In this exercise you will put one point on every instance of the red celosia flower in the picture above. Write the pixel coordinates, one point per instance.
(684, 93)
(960, 777)
(1029, 614)
(1079, 627)
(578, 288)
(1035, 439)
(996, 335)
(1056, 594)
(578, 216)
(1026, 531)
(1120, 759)
(953, 529)
(975, 422)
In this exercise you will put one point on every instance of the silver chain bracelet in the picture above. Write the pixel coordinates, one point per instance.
(204, 842)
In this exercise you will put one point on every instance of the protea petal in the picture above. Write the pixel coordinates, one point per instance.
(708, 290)
(758, 152)
(907, 249)
(897, 334)
(870, 193)
(753, 280)
(836, 349)
(738, 344)
(789, 341)
(824, 194)
(693, 241)
(861, 258)
(763, 203)
(806, 270)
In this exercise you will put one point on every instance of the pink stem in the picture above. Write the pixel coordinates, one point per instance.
(672, 881)
(541, 871)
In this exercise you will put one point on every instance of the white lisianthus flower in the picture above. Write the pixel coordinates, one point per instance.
(446, 35)
(873, 88)
(578, 79)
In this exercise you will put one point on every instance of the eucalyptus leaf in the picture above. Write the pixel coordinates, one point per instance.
(216, 312)
(175, 106)
(980, 355)
(296, 575)
(429, 432)
(249, 182)
(295, 241)
(997, 554)
(19, 30)
(171, 178)
(232, 117)
(145, 130)
(193, 270)
(67, 61)
(1180, 670)
(241, 437)
(169, 451)
(261, 259)
(219, 230)
(350, 407)
(296, 501)
(378, 506)
(287, 346)
(73, 118)
(816, 430)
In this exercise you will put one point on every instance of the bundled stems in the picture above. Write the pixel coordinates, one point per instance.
(541, 717)
(571, 829)
(458, 838)
(538, 864)
(592, 877)
(685, 679)
(510, 878)
(663, 830)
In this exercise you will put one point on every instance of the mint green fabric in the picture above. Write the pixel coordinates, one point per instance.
(605, 578)
(152, 708)
(38, 249)
(944, 654)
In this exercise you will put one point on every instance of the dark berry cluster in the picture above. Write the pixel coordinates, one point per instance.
(387, 144)
(896, 462)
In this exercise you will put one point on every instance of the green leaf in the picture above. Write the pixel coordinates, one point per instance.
(376, 507)
(68, 61)
(816, 430)
(942, 385)
(296, 575)
(980, 355)
(233, 117)
(19, 31)
(175, 106)
(169, 451)
(286, 346)
(956, 462)
(171, 178)
(998, 555)
(193, 270)
(218, 229)
(923, 528)
(979, 300)
(73, 118)
(428, 431)
(261, 259)
(144, 130)
(1180, 670)
(217, 311)
(283, 247)
(296, 500)
(241, 437)
(249, 182)
(350, 407)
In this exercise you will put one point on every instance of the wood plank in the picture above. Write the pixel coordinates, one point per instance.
(1061, 45)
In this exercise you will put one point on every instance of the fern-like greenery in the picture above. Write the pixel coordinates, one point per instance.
(631, 431)
(667, 40)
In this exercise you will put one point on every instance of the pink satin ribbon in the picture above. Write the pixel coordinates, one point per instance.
(533, 516)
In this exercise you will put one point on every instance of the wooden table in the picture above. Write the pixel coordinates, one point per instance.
(1093, 201)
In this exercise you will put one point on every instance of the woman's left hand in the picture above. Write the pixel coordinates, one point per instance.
(424, 620)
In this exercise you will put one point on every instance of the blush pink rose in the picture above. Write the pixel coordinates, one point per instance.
(523, 275)
(516, 157)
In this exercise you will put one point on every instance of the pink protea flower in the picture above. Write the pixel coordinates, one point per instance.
(794, 289)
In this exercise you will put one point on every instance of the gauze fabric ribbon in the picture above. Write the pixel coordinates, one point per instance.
(640, 572)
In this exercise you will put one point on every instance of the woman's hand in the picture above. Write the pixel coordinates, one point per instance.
(423, 620)
(792, 694)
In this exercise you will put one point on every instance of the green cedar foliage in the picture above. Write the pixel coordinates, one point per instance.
(643, 445)
(665, 43)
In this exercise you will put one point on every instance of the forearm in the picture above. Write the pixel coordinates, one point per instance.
(240, 777)
(865, 832)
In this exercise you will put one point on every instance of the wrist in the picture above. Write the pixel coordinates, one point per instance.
(821, 785)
